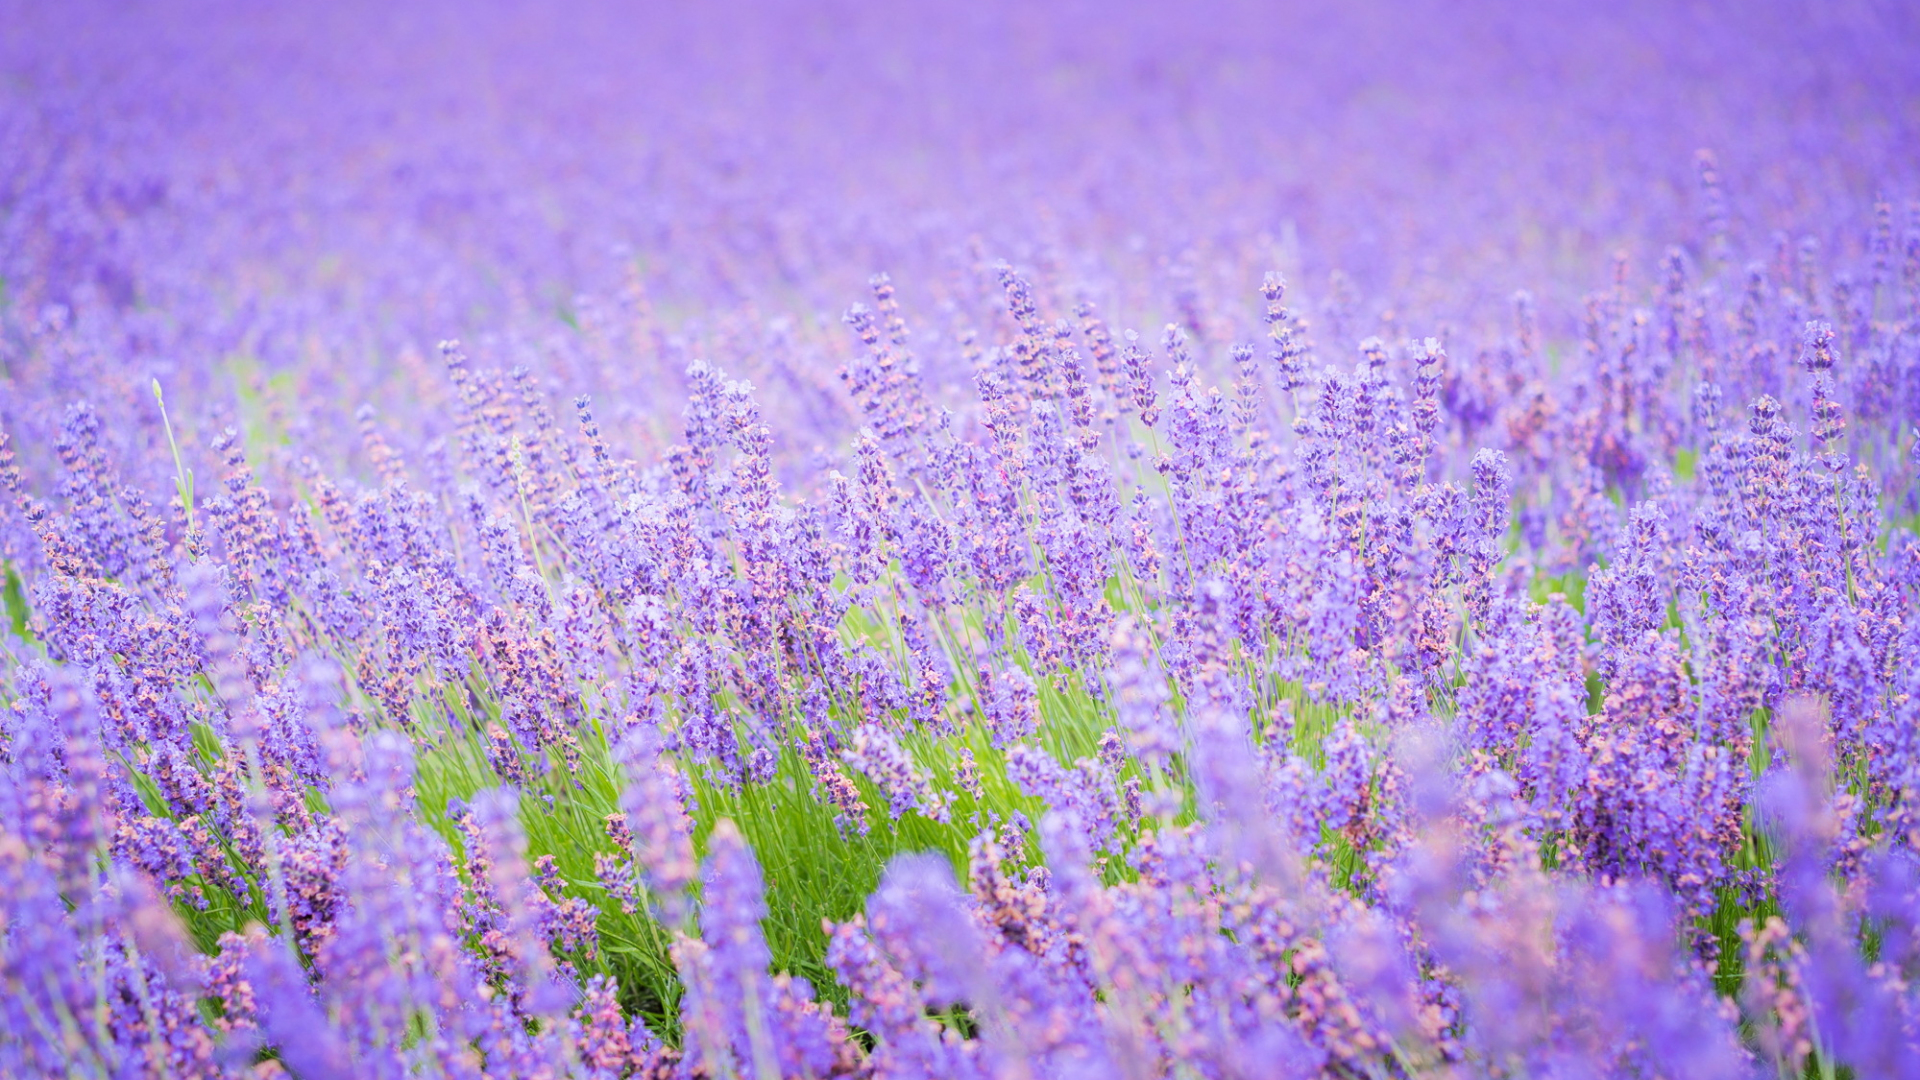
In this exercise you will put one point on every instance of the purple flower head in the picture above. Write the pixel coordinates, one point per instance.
(740, 1018)
(878, 756)
(1144, 398)
(920, 915)
(656, 801)
(1011, 705)
(1087, 793)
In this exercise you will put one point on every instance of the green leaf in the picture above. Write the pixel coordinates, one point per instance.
(19, 615)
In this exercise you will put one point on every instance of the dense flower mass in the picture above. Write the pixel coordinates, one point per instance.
(766, 539)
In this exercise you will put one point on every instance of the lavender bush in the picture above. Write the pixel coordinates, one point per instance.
(757, 540)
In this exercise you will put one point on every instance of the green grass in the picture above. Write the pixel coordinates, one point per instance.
(14, 595)
(813, 872)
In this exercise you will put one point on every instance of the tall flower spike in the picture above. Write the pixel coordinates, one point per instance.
(1140, 378)
(741, 1019)
(656, 800)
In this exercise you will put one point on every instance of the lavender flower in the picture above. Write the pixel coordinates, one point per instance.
(1456, 711)
(878, 756)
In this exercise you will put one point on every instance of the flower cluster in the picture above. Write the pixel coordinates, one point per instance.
(1189, 617)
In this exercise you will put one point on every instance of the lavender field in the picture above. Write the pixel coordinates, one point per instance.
(982, 540)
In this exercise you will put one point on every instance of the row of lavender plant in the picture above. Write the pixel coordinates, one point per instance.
(1376, 713)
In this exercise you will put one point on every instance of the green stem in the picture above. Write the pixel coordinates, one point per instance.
(182, 476)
